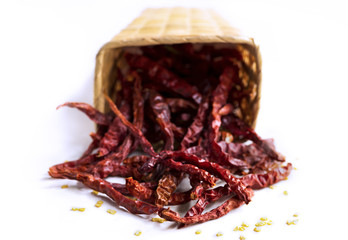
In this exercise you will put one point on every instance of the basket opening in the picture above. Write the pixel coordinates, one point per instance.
(200, 65)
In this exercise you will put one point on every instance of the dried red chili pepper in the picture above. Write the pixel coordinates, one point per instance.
(56, 170)
(163, 77)
(96, 137)
(238, 187)
(117, 131)
(162, 115)
(115, 134)
(192, 170)
(166, 186)
(140, 191)
(178, 198)
(194, 131)
(220, 96)
(258, 181)
(138, 102)
(147, 147)
(179, 104)
(91, 112)
(218, 212)
(100, 185)
(239, 129)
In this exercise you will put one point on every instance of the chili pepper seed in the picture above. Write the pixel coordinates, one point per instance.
(257, 229)
(260, 224)
(198, 232)
(111, 211)
(159, 220)
(78, 209)
(244, 224)
(95, 192)
(98, 204)
(293, 222)
(64, 186)
(219, 234)
(241, 237)
(137, 233)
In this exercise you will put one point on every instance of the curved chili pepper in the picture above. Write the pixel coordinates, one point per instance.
(100, 185)
(91, 112)
(239, 129)
(115, 134)
(259, 181)
(193, 132)
(56, 170)
(179, 104)
(140, 191)
(192, 170)
(96, 137)
(147, 147)
(218, 212)
(162, 115)
(238, 187)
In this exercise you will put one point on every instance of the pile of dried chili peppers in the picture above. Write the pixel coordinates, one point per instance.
(193, 128)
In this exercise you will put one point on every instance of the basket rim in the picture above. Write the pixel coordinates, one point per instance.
(177, 39)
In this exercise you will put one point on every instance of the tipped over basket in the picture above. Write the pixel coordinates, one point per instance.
(173, 27)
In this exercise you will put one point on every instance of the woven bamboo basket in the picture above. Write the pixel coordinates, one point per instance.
(167, 26)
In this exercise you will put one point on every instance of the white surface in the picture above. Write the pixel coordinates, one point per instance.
(47, 57)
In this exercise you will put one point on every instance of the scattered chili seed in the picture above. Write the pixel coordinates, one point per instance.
(137, 233)
(95, 192)
(269, 222)
(245, 225)
(242, 228)
(78, 209)
(219, 234)
(111, 211)
(64, 186)
(285, 193)
(260, 224)
(257, 229)
(99, 203)
(293, 222)
(241, 237)
(198, 232)
(263, 219)
(159, 220)
(295, 215)
(272, 187)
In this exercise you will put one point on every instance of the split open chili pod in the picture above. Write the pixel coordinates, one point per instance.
(169, 26)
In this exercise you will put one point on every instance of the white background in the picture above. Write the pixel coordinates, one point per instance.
(47, 57)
